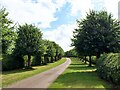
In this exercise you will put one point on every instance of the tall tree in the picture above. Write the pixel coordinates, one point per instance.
(71, 53)
(97, 33)
(8, 35)
(29, 41)
(51, 50)
(58, 52)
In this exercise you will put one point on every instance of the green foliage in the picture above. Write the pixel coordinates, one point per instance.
(25, 42)
(10, 62)
(8, 34)
(29, 41)
(52, 50)
(97, 33)
(77, 76)
(108, 67)
(59, 52)
(37, 60)
(71, 53)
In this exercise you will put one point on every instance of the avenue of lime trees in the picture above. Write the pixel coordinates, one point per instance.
(96, 37)
(23, 46)
(97, 40)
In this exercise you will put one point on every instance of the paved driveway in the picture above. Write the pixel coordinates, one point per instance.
(42, 80)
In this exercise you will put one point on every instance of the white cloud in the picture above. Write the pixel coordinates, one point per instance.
(62, 35)
(25, 11)
(82, 6)
(43, 11)
(112, 7)
(59, 3)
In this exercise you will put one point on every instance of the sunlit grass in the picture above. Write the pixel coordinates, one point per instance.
(79, 75)
(0, 80)
(10, 77)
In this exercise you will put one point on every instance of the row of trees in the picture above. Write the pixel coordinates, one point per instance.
(99, 32)
(71, 53)
(27, 40)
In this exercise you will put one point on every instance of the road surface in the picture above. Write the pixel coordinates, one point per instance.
(42, 80)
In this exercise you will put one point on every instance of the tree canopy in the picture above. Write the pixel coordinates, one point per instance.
(97, 33)
(8, 35)
(29, 41)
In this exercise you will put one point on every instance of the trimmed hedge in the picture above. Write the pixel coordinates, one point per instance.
(10, 62)
(108, 67)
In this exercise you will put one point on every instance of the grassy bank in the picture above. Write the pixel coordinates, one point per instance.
(10, 77)
(79, 75)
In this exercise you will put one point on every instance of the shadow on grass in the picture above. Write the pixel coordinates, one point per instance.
(81, 80)
(78, 64)
(80, 75)
(17, 71)
(82, 67)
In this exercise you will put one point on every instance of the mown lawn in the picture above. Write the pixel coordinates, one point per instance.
(79, 75)
(10, 77)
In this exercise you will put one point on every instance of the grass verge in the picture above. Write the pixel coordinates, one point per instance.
(79, 75)
(10, 77)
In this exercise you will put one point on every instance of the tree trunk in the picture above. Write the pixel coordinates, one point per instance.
(90, 61)
(38, 60)
(48, 59)
(85, 60)
(55, 58)
(51, 60)
(29, 63)
(98, 55)
(45, 60)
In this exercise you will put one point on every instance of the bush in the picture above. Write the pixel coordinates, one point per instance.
(10, 62)
(108, 67)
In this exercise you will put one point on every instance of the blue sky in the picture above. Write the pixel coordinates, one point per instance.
(56, 18)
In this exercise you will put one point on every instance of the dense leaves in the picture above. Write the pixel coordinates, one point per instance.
(108, 67)
(29, 41)
(8, 35)
(52, 51)
(10, 62)
(97, 33)
(23, 46)
(71, 53)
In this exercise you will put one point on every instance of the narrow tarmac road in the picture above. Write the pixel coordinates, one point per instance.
(42, 80)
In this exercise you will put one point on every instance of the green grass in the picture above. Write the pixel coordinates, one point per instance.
(10, 77)
(79, 75)
(0, 80)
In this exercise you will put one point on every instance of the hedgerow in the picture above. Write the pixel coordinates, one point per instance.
(108, 67)
(10, 62)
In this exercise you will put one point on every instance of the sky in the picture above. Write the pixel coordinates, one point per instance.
(56, 18)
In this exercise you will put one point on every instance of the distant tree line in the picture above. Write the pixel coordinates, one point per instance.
(71, 53)
(23, 46)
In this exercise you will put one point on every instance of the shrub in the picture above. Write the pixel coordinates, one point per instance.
(108, 67)
(10, 62)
